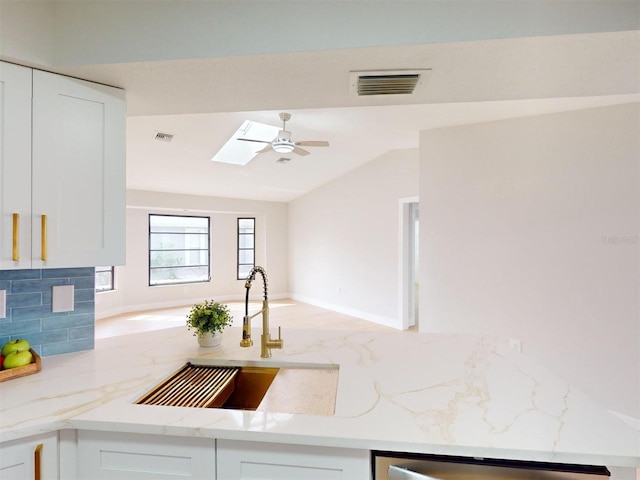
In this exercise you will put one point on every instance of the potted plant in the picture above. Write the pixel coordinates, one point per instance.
(208, 320)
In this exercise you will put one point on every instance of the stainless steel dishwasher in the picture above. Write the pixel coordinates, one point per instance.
(398, 466)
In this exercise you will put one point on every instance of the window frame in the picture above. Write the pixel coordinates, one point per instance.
(239, 249)
(112, 284)
(150, 250)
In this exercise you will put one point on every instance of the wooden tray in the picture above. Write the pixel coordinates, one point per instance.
(34, 367)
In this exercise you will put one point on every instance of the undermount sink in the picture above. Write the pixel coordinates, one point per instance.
(273, 387)
(248, 388)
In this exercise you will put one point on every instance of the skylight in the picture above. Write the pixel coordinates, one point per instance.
(241, 153)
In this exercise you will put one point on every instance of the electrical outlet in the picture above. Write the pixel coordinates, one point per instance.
(515, 344)
(62, 298)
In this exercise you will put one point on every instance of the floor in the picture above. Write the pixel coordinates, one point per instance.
(285, 313)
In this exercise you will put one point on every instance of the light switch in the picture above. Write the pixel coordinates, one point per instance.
(62, 298)
(3, 303)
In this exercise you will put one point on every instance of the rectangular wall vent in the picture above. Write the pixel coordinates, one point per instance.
(386, 82)
(163, 137)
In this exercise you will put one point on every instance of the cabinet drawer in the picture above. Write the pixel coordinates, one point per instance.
(111, 455)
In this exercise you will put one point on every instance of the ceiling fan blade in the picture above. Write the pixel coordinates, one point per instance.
(313, 143)
(268, 148)
(252, 140)
(300, 151)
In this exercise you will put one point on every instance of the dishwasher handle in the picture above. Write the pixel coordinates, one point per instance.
(400, 472)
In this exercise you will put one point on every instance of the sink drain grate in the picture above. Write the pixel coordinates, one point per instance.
(190, 386)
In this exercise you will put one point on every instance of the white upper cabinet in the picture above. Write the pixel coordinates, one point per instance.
(78, 176)
(15, 166)
(76, 184)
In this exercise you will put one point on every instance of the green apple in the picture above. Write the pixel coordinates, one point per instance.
(17, 345)
(17, 359)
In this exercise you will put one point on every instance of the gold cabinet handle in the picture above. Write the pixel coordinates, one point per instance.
(37, 464)
(16, 230)
(43, 246)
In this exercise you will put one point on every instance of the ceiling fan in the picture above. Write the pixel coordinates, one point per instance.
(283, 143)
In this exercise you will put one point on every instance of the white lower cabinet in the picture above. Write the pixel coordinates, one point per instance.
(128, 456)
(96, 455)
(30, 458)
(272, 461)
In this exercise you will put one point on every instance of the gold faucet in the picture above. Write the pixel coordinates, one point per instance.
(266, 342)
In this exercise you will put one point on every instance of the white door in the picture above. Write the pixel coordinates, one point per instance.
(78, 172)
(409, 261)
(132, 456)
(33, 457)
(414, 262)
(238, 460)
(15, 166)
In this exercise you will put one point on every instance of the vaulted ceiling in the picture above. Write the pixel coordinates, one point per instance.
(202, 101)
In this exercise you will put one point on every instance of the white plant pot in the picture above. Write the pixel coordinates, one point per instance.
(209, 339)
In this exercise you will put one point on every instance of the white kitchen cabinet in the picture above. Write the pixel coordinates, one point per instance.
(128, 456)
(30, 458)
(66, 171)
(15, 166)
(272, 461)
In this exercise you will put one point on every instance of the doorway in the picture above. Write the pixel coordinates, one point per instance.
(410, 262)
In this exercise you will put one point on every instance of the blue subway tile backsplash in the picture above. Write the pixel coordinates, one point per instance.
(70, 346)
(29, 309)
(20, 274)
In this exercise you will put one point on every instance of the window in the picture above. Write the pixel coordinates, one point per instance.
(246, 246)
(178, 249)
(104, 279)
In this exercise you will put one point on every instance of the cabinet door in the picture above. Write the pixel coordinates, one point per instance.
(272, 461)
(15, 166)
(30, 458)
(128, 456)
(78, 181)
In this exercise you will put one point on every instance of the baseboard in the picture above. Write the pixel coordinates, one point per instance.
(142, 307)
(379, 319)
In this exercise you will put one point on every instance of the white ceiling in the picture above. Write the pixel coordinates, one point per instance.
(203, 101)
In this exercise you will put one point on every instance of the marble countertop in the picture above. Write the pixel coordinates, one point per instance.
(444, 394)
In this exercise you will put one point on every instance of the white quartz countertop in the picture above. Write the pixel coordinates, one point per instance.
(443, 394)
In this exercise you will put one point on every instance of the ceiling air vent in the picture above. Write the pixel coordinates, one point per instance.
(386, 82)
(163, 137)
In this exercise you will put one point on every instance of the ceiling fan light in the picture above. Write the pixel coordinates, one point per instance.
(283, 147)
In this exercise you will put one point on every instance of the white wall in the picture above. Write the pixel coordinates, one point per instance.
(529, 229)
(133, 292)
(344, 239)
(27, 31)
